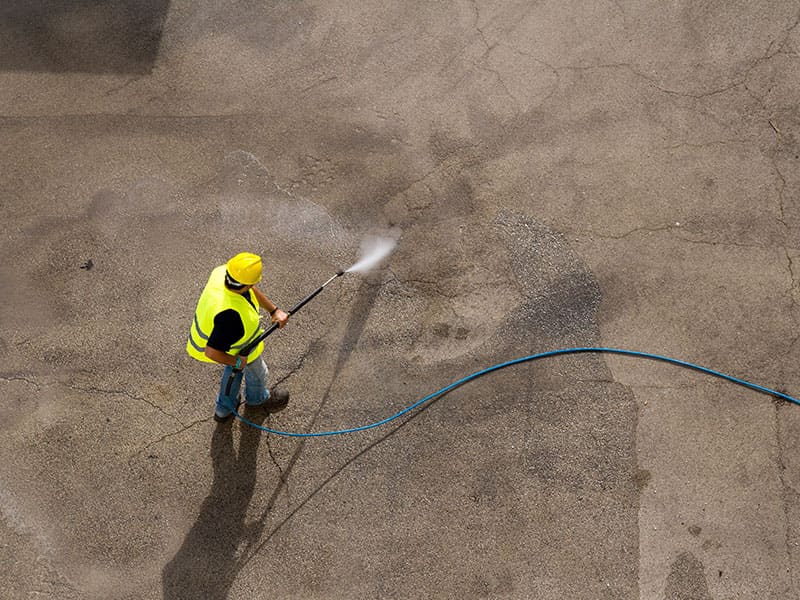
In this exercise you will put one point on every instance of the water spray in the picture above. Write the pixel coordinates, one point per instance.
(373, 251)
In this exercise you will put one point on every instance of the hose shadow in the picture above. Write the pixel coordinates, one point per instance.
(359, 314)
(255, 551)
(204, 566)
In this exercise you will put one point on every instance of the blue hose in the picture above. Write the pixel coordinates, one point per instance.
(516, 361)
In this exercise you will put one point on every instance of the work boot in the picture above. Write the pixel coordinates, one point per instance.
(223, 420)
(227, 418)
(278, 399)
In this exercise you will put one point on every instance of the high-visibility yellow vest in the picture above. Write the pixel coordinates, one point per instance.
(214, 299)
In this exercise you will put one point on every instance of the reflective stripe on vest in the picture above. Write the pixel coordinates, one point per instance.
(215, 299)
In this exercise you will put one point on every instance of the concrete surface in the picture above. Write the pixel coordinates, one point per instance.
(619, 173)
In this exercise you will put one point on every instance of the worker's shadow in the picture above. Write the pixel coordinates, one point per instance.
(219, 545)
(205, 565)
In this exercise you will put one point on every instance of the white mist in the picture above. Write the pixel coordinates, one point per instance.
(373, 251)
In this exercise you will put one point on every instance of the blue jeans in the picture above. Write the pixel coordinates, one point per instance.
(256, 391)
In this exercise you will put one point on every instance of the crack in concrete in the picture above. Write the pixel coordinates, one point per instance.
(477, 25)
(724, 243)
(669, 228)
(317, 84)
(618, 5)
(119, 88)
(788, 34)
(165, 437)
(97, 390)
(653, 81)
(786, 492)
(454, 162)
(704, 144)
(775, 47)
(461, 50)
(481, 63)
(297, 367)
(781, 49)
(284, 480)
(19, 378)
(545, 64)
(502, 82)
(793, 286)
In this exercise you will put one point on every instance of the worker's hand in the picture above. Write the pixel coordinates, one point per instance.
(242, 363)
(280, 317)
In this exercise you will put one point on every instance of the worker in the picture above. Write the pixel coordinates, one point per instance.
(225, 321)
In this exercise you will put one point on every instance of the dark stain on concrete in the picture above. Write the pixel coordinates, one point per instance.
(445, 330)
(642, 478)
(687, 579)
(92, 36)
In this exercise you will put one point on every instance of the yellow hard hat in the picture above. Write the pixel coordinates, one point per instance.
(245, 268)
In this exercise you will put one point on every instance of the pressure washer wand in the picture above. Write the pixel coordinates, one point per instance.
(294, 309)
(246, 349)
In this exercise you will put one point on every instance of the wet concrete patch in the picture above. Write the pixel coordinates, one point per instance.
(562, 295)
(687, 579)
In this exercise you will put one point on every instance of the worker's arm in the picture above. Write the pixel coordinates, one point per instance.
(223, 357)
(278, 316)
